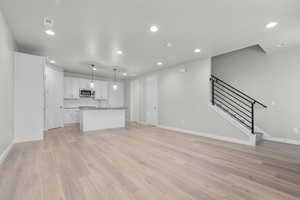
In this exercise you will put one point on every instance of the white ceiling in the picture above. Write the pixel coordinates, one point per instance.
(92, 30)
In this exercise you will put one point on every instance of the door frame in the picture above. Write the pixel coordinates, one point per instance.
(153, 108)
(61, 123)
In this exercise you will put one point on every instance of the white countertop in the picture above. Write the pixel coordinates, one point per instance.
(101, 108)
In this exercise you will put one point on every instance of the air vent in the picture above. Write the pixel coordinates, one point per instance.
(48, 22)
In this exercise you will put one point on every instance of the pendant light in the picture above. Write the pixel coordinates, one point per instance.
(115, 85)
(92, 83)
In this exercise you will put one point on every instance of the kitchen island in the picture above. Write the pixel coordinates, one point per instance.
(101, 118)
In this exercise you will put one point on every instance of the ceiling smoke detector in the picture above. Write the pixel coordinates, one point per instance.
(282, 44)
(48, 22)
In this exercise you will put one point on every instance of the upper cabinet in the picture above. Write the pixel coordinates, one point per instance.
(83, 83)
(71, 88)
(101, 90)
(68, 88)
(116, 96)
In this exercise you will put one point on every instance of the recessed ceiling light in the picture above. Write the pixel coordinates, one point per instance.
(169, 44)
(271, 24)
(119, 52)
(197, 50)
(124, 74)
(183, 70)
(52, 61)
(50, 32)
(154, 28)
(159, 63)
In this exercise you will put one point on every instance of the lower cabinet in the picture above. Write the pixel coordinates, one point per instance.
(71, 116)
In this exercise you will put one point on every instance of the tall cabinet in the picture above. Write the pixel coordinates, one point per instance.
(101, 90)
(71, 88)
(116, 96)
(29, 97)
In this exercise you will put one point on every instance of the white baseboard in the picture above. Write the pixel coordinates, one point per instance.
(71, 124)
(217, 137)
(19, 140)
(5, 153)
(281, 140)
(268, 137)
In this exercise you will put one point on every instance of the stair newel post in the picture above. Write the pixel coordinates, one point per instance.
(252, 117)
(213, 91)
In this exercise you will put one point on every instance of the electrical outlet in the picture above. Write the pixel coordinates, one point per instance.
(296, 130)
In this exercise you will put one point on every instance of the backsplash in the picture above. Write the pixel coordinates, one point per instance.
(70, 103)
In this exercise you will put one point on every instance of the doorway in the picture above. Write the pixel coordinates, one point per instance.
(151, 101)
(54, 83)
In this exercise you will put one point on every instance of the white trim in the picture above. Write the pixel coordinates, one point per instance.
(28, 140)
(217, 137)
(227, 117)
(5, 153)
(282, 140)
(69, 124)
(231, 120)
(268, 137)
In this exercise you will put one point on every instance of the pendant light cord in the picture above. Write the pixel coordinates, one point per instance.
(93, 73)
(115, 75)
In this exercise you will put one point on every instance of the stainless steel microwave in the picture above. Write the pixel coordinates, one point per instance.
(86, 93)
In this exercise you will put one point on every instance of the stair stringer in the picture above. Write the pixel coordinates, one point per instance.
(230, 119)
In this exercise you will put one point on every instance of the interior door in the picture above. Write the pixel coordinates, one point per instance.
(54, 97)
(134, 101)
(151, 105)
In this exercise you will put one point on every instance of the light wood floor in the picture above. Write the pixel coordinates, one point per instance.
(142, 163)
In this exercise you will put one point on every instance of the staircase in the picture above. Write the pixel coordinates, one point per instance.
(235, 103)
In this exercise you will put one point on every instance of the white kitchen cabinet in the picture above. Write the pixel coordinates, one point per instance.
(75, 88)
(29, 90)
(71, 88)
(67, 88)
(71, 116)
(101, 90)
(116, 97)
(84, 83)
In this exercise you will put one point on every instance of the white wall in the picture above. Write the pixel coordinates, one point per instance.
(273, 78)
(6, 85)
(183, 100)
